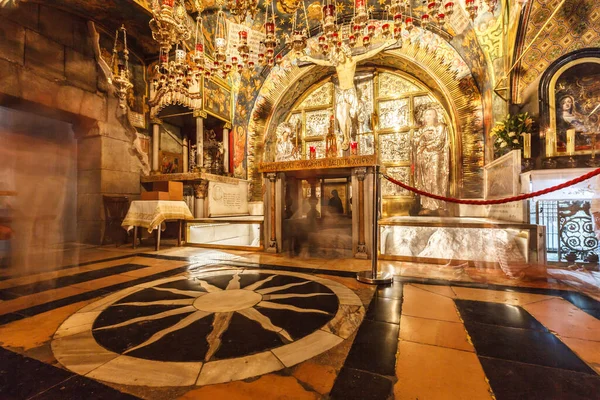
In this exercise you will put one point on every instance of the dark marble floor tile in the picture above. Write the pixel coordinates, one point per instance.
(23, 377)
(41, 308)
(80, 387)
(384, 310)
(523, 345)
(512, 380)
(360, 385)
(41, 286)
(393, 291)
(7, 318)
(584, 302)
(45, 268)
(296, 324)
(497, 314)
(188, 344)
(96, 293)
(127, 337)
(374, 348)
(245, 337)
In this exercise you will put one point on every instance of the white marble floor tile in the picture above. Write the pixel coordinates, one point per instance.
(307, 347)
(77, 323)
(137, 371)
(80, 353)
(239, 368)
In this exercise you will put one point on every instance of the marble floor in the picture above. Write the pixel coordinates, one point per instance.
(189, 323)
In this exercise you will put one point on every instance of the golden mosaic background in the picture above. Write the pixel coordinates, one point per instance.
(575, 26)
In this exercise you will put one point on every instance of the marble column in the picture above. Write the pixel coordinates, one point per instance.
(199, 196)
(226, 148)
(155, 143)
(200, 115)
(272, 243)
(186, 157)
(359, 205)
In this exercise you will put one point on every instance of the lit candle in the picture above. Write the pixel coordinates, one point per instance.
(549, 144)
(527, 145)
(571, 142)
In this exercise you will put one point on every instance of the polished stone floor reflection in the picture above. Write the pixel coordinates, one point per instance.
(194, 324)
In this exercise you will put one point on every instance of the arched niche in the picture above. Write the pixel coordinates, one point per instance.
(459, 96)
(568, 100)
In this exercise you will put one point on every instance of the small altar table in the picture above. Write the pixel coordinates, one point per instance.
(151, 214)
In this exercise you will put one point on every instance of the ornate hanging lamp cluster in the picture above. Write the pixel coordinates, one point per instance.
(120, 76)
(297, 40)
(266, 56)
(168, 23)
(176, 79)
(224, 62)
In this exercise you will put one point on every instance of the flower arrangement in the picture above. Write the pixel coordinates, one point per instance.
(508, 133)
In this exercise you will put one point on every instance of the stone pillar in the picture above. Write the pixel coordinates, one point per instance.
(186, 157)
(199, 196)
(200, 115)
(155, 143)
(272, 242)
(359, 205)
(226, 148)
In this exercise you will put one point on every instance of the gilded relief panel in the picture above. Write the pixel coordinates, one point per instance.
(394, 114)
(394, 147)
(322, 96)
(364, 91)
(366, 144)
(401, 174)
(317, 122)
(391, 85)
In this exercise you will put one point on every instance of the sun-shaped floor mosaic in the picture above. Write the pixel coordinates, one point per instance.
(216, 327)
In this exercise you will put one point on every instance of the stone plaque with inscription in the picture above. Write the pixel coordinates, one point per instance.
(226, 199)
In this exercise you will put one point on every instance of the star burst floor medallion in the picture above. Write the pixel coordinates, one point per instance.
(211, 328)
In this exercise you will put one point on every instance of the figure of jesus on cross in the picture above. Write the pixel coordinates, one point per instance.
(346, 108)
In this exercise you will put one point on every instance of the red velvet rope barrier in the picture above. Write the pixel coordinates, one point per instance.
(582, 178)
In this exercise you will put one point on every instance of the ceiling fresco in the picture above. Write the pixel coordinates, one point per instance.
(575, 26)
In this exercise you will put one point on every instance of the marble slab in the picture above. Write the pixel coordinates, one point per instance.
(307, 347)
(78, 323)
(239, 368)
(346, 321)
(137, 371)
(226, 199)
(469, 244)
(80, 353)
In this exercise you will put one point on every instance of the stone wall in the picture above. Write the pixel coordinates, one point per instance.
(49, 67)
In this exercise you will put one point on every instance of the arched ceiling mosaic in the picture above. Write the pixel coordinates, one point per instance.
(575, 26)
